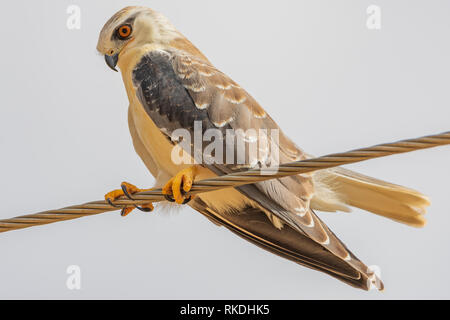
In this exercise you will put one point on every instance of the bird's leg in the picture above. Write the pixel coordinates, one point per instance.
(177, 187)
(127, 190)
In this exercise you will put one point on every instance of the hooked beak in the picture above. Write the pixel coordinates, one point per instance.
(111, 61)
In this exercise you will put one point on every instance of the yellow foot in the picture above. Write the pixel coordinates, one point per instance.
(127, 190)
(178, 186)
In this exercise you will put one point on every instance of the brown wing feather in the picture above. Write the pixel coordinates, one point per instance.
(252, 225)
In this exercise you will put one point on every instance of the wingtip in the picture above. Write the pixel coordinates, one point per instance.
(375, 283)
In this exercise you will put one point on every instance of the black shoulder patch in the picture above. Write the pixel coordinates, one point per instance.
(164, 97)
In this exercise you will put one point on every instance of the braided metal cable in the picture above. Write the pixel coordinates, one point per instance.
(228, 181)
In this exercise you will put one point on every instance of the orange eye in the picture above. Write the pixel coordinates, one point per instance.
(124, 31)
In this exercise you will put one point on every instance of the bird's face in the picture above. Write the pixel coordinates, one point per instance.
(133, 27)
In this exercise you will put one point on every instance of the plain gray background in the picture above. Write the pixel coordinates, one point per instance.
(332, 84)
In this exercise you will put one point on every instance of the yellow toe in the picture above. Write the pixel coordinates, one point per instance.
(182, 181)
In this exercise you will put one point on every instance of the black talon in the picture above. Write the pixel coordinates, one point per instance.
(183, 193)
(182, 189)
(125, 192)
(122, 212)
(128, 195)
(143, 209)
(169, 198)
(186, 201)
(112, 204)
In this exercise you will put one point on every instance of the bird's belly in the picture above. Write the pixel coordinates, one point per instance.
(156, 145)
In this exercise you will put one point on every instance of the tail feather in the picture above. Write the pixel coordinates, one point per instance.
(340, 187)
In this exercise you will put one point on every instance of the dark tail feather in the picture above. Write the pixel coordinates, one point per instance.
(253, 225)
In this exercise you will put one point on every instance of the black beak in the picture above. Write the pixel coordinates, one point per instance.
(111, 61)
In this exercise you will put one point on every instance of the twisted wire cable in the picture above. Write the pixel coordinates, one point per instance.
(229, 181)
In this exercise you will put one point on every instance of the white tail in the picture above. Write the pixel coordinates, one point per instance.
(337, 188)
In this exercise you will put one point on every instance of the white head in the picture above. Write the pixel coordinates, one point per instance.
(133, 26)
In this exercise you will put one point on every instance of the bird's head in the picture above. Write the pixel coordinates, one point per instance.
(133, 27)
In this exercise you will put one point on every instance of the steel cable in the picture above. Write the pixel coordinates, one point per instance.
(229, 181)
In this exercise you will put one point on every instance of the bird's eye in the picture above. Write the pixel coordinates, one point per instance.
(124, 31)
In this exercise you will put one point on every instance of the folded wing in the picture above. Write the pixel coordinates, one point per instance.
(177, 90)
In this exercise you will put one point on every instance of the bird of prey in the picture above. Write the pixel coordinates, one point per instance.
(171, 85)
